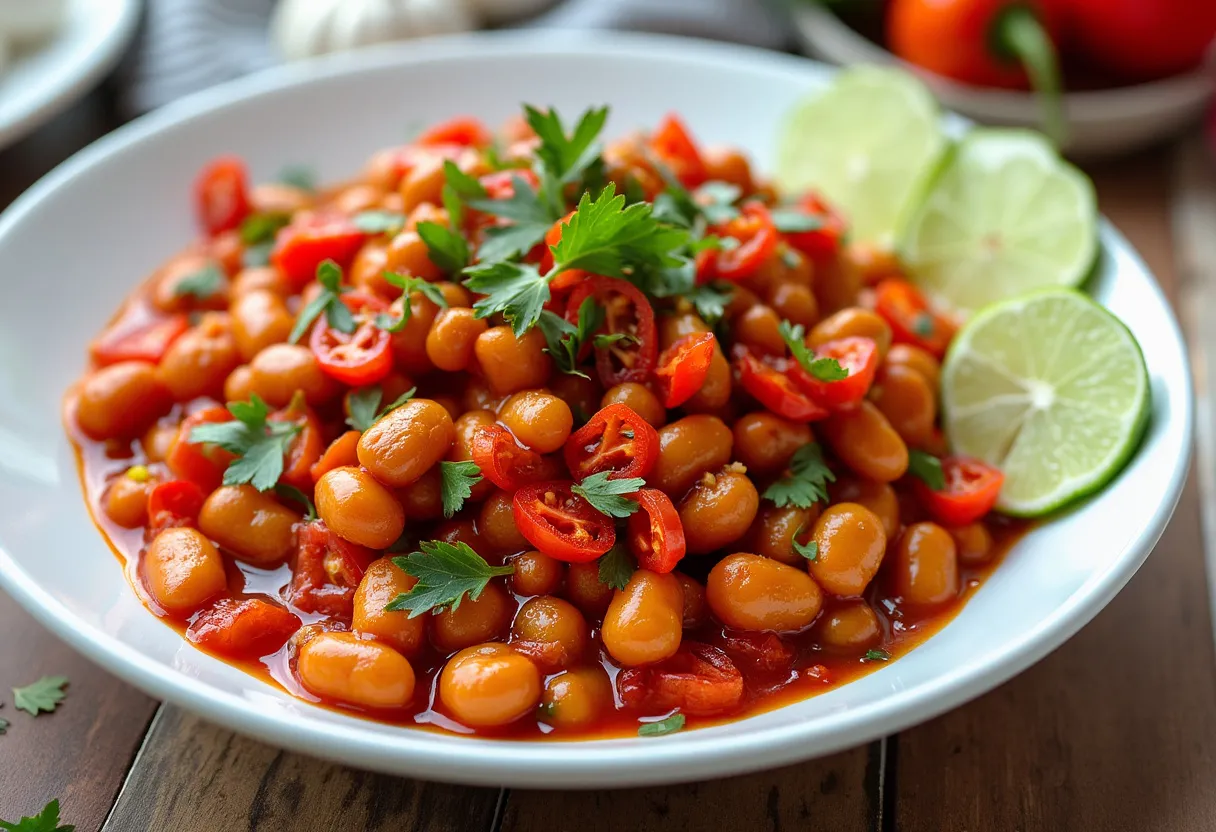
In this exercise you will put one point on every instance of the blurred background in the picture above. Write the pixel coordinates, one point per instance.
(1103, 77)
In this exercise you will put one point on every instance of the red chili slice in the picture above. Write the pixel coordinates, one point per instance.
(656, 535)
(776, 390)
(174, 503)
(147, 342)
(243, 628)
(326, 571)
(683, 366)
(674, 146)
(203, 464)
(465, 131)
(615, 439)
(757, 237)
(823, 242)
(504, 462)
(562, 524)
(972, 489)
(626, 312)
(302, 246)
(221, 195)
(912, 321)
(858, 355)
(699, 680)
(359, 358)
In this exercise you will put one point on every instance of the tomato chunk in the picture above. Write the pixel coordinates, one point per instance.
(627, 315)
(221, 195)
(858, 356)
(562, 524)
(776, 390)
(912, 321)
(699, 680)
(174, 503)
(615, 439)
(972, 489)
(656, 535)
(505, 462)
(306, 446)
(243, 628)
(147, 342)
(201, 463)
(823, 242)
(683, 367)
(465, 131)
(674, 146)
(302, 246)
(358, 358)
(326, 571)
(763, 652)
(757, 239)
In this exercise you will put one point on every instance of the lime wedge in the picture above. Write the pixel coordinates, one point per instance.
(868, 142)
(1050, 388)
(1006, 215)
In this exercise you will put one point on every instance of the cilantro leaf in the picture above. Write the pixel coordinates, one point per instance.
(408, 285)
(290, 492)
(379, 222)
(261, 228)
(261, 465)
(329, 301)
(669, 725)
(202, 284)
(604, 236)
(42, 696)
(364, 405)
(259, 445)
(824, 369)
(522, 206)
(717, 201)
(457, 479)
(616, 567)
(926, 468)
(462, 184)
(806, 481)
(45, 821)
(810, 550)
(446, 572)
(566, 157)
(505, 241)
(792, 221)
(517, 290)
(604, 494)
(710, 301)
(447, 249)
(876, 656)
(565, 339)
(299, 176)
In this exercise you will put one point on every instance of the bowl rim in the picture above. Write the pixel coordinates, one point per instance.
(604, 763)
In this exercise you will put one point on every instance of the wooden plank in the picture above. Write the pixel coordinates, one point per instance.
(195, 777)
(836, 794)
(1116, 730)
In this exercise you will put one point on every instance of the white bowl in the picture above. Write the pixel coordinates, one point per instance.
(81, 238)
(1101, 123)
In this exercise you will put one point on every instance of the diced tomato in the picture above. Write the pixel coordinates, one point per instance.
(683, 367)
(627, 313)
(776, 390)
(757, 238)
(501, 183)
(615, 439)
(764, 652)
(200, 463)
(358, 358)
(858, 356)
(912, 321)
(326, 571)
(243, 628)
(824, 242)
(221, 195)
(674, 146)
(972, 489)
(505, 462)
(306, 446)
(562, 524)
(699, 680)
(340, 453)
(147, 342)
(302, 246)
(174, 503)
(464, 131)
(656, 535)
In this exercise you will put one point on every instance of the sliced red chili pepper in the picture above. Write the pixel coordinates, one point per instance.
(243, 628)
(326, 571)
(464, 131)
(146, 342)
(656, 535)
(912, 321)
(757, 238)
(504, 462)
(823, 242)
(358, 358)
(683, 366)
(615, 439)
(764, 652)
(174, 503)
(569, 278)
(858, 356)
(203, 464)
(562, 524)
(699, 680)
(972, 489)
(221, 195)
(776, 390)
(674, 146)
(302, 246)
(306, 446)
(627, 313)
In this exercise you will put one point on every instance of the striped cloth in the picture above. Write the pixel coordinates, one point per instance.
(188, 45)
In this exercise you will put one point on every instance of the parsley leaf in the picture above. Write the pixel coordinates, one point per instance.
(517, 290)
(45, 821)
(926, 468)
(806, 481)
(379, 222)
(457, 480)
(41, 696)
(792, 221)
(604, 236)
(299, 176)
(710, 301)
(364, 405)
(824, 369)
(258, 444)
(329, 301)
(462, 184)
(717, 201)
(446, 248)
(565, 339)
(505, 241)
(446, 572)
(566, 157)
(202, 284)
(258, 255)
(810, 550)
(4, 723)
(261, 228)
(669, 725)
(290, 492)
(616, 567)
(604, 494)
(522, 206)
(408, 285)
(877, 656)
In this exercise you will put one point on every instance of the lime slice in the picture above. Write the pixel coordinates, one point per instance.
(1006, 216)
(1050, 388)
(869, 143)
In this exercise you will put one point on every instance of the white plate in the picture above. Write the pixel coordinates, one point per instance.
(45, 79)
(72, 257)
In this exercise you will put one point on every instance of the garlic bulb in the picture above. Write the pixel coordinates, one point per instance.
(303, 28)
(505, 11)
(30, 21)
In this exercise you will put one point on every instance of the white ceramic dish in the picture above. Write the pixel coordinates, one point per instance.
(333, 114)
(1101, 123)
(45, 79)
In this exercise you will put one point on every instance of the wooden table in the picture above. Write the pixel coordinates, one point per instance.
(1114, 731)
